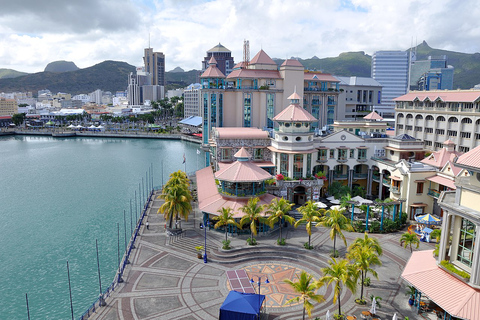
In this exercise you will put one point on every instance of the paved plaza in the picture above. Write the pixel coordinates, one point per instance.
(166, 280)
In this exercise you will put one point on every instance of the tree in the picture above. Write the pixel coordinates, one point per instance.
(363, 257)
(408, 239)
(368, 242)
(177, 197)
(307, 290)
(18, 118)
(338, 190)
(278, 211)
(344, 201)
(224, 219)
(341, 274)
(336, 221)
(252, 216)
(310, 214)
(359, 191)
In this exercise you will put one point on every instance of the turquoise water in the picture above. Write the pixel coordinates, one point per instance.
(56, 197)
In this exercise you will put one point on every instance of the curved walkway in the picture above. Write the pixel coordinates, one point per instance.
(166, 280)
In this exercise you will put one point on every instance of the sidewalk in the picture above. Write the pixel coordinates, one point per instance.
(166, 280)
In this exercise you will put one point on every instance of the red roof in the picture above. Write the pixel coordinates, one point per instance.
(254, 74)
(443, 95)
(262, 58)
(470, 159)
(240, 133)
(5, 117)
(242, 171)
(373, 116)
(242, 153)
(210, 200)
(294, 113)
(439, 158)
(443, 181)
(451, 294)
(292, 62)
(212, 72)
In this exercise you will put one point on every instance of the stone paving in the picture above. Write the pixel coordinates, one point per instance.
(166, 280)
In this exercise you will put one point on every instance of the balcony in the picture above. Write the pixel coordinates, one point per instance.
(376, 177)
(294, 183)
(360, 176)
(362, 160)
(434, 193)
(322, 159)
(338, 176)
(395, 190)
(386, 182)
(342, 159)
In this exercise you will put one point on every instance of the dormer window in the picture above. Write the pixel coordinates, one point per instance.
(287, 125)
(298, 125)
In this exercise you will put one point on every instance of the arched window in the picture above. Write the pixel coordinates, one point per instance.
(440, 118)
(409, 116)
(452, 119)
(418, 117)
(466, 120)
(429, 117)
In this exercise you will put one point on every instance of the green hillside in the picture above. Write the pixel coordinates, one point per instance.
(10, 73)
(108, 76)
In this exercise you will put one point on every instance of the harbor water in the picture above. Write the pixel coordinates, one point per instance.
(57, 197)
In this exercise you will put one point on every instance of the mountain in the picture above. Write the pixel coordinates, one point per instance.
(177, 69)
(10, 73)
(61, 66)
(467, 66)
(107, 75)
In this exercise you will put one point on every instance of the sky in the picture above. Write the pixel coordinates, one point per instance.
(36, 32)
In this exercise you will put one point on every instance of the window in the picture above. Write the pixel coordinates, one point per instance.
(440, 131)
(284, 164)
(332, 153)
(342, 154)
(451, 133)
(466, 135)
(226, 154)
(352, 153)
(247, 110)
(322, 155)
(270, 109)
(428, 130)
(297, 166)
(362, 154)
(465, 243)
(419, 187)
(258, 154)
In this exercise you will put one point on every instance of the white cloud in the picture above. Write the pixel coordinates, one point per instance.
(91, 31)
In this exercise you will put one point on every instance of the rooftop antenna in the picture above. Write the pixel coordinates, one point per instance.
(246, 53)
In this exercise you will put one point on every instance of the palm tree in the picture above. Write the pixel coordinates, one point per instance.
(344, 201)
(310, 214)
(177, 203)
(407, 239)
(278, 210)
(224, 219)
(340, 274)
(363, 257)
(252, 215)
(306, 288)
(336, 221)
(368, 242)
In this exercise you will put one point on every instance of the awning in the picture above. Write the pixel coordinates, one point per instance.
(396, 178)
(342, 147)
(443, 181)
(362, 147)
(416, 205)
(423, 273)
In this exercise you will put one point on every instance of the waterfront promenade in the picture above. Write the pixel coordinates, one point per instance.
(166, 280)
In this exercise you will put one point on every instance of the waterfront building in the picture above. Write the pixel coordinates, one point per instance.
(435, 116)
(223, 56)
(358, 96)
(8, 107)
(431, 74)
(390, 69)
(191, 100)
(454, 289)
(155, 65)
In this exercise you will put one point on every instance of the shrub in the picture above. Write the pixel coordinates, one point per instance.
(251, 241)
(403, 218)
(281, 242)
(450, 267)
(374, 226)
(307, 246)
(334, 254)
(280, 177)
(358, 226)
(367, 281)
(226, 245)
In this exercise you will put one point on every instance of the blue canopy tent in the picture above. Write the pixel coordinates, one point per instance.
(241, 306)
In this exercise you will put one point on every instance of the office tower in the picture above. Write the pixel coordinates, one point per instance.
(155, 65)
(390, 69)
(431, 74)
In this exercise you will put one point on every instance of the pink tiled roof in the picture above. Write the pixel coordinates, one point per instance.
(222, 165)
(451, 294)
(254, 74)
(242, 153)
(240, 65)
(295, 96)
(444, 95)
(443, 181)
(240, 133)
(319, 76)
(470, 159)
(373, 116)
(439, 158)
(212, 72)
(212, 60)
(294, 113)
(242, 171)
(210, 200)
(262, 58)
(292, 62)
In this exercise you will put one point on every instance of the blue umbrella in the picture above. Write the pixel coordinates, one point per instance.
(428, 219)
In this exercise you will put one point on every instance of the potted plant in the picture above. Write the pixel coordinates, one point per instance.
(199, 251)
(411, 294)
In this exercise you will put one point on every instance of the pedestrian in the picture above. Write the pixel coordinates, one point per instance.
(147, 225)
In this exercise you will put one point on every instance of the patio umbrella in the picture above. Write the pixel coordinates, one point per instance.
(394, 316)
(428, 219)
(373, 309)
(320, 205)
(327, 316)
(335, 201)
(331, 198)
(337, 207)
(357, 210)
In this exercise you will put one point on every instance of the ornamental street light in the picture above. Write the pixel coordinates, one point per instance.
(204, 226)
(259, 283)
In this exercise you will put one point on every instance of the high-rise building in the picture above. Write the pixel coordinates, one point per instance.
(431, 74)
(191, 100)
(8, 107)
(390, 69)
(155, 65)
(223, 56)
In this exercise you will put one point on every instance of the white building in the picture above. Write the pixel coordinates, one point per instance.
(191, 100)
(358, 97)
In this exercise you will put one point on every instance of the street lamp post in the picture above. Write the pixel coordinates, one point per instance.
(204, 226)
(259, 283)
